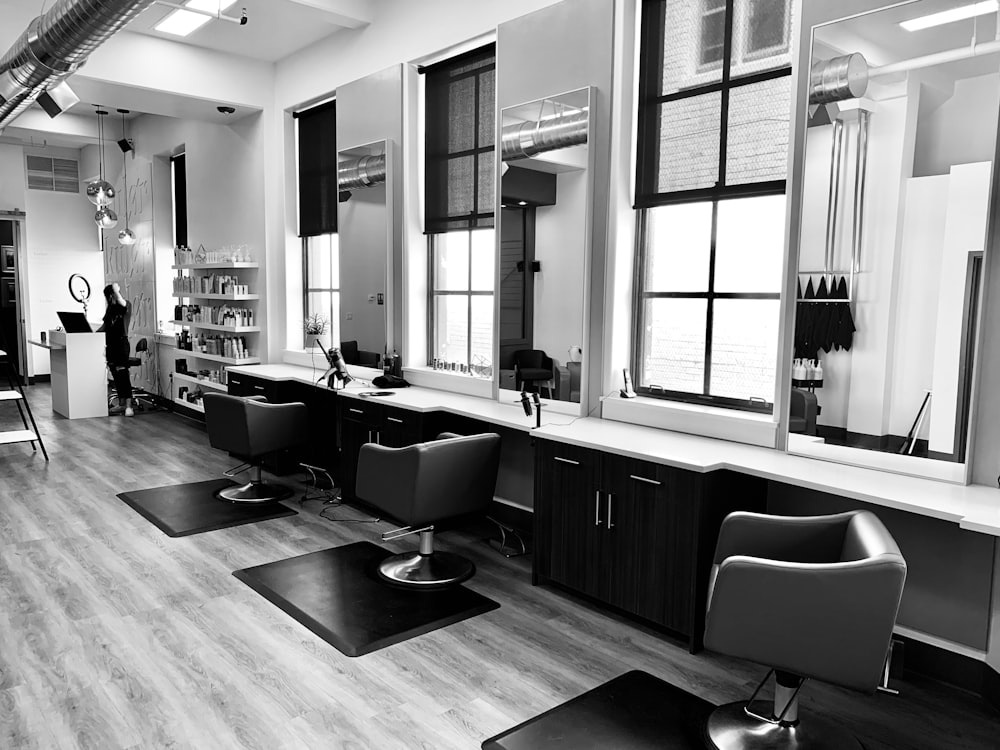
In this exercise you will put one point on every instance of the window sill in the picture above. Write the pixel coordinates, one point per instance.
(693, 419)
(427, 377)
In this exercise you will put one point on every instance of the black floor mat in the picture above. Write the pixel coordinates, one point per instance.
(337, 594)
(633, 712)
(184, 509)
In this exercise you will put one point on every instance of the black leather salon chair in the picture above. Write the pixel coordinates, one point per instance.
(250, 428)
(421, 485)
(810, 597)
(533, 368)
(802, 412)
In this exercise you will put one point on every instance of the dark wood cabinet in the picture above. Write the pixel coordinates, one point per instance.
(368, 421)
(632, 534)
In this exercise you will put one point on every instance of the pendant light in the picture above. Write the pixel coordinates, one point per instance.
(100, 192)
(125, 236)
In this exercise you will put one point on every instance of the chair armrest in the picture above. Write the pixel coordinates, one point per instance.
(796, 538)
(830, 621)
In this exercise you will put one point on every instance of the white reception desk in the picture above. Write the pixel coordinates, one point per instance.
(79, 381)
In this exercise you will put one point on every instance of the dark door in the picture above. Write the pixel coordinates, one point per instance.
(651, 542)
(10, 306)
(569, 499)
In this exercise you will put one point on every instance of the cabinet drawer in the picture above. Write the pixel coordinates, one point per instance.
(356, 410)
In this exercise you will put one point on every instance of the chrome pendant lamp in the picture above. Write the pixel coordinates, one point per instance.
(125, 236)
(100, 192)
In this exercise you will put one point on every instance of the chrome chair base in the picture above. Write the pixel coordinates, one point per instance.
(434, 570)
(730, 728)
(255, 492)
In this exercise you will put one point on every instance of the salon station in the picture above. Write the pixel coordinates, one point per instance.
(504, 375)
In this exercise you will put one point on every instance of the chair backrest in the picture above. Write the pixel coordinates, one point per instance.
(349, 351)
(251, 427)
(531, 358)
(226, 422)
(429, 482)
(141, 345)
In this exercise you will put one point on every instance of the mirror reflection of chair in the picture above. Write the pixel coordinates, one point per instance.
(810, 597)
(424, 484)
(533, 369)
(802, 412)
(251, 429)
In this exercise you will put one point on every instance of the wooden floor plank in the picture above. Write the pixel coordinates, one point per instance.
(113, 635)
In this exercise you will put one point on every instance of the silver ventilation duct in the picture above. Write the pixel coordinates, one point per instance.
(838, 78)
(55, 45)
(526, 139)
(362, 172)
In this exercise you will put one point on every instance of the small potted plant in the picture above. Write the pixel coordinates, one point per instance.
(315, 328)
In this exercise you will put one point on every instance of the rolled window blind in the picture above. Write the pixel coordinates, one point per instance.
(317, 131)
(460, 127)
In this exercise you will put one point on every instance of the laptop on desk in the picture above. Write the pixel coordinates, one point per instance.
(74, 322)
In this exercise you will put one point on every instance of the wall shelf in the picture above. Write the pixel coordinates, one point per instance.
(200, 382)
(231, 297)
(189, 405)
(219, 358)
(210, 266)
(216, 327)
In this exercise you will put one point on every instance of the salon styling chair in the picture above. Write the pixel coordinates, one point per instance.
(424, 484)
(250, 429)
(533, 368)
(802, 412)
(809, 597)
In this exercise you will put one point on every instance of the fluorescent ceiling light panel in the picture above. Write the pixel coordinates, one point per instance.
(950, 16)
(182, 23)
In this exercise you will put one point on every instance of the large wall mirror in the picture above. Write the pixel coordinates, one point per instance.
(543, 241)
(365, 234)
(896, 190)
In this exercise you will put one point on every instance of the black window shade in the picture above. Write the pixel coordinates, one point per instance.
(714, 100)
(318, 192)
(460, 127)
(179, 163)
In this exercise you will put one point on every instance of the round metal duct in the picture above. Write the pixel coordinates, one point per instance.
(838, 78)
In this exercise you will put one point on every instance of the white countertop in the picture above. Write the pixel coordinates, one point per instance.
(972, 507)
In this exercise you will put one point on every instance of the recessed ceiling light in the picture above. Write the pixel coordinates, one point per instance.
(950, 16)
(182, 22)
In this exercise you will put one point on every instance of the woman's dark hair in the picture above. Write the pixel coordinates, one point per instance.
(109, 290)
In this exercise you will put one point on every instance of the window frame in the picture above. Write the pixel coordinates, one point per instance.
(333, 314)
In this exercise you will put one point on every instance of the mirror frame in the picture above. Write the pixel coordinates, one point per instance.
(587, 248)
(374, 148)
(945, 471)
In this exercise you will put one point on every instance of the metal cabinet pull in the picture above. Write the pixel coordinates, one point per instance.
(356, 411)
(560, 459)
(393, 419)
(378, 438)
(597, 508)
(258, 387)
(644, 479)
(610, 524)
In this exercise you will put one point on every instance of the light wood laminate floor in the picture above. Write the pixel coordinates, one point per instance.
(113, 635)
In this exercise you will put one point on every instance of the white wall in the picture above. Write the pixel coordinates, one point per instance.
(961, 130)
(12, 179)
(560, 246)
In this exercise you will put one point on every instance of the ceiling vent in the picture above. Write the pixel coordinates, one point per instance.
(54, 175)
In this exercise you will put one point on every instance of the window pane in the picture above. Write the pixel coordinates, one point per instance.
(451, 328)
(761, 34)
(692, 36)
(320, 271)
(744, 348)
(451, 255)
(322, 303)
(749, 244)
(678, 248)
(757, 147)
(674, 344)
(482, 335)
(689, 143)
(483, 258)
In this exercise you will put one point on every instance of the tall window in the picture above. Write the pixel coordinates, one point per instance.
(714, 110)
(460, 124)
(316, 136)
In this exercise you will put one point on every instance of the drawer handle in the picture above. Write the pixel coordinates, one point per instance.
(597, 508)
(643, 479)
(393, 419)
(258, 387)
(566, 460)
(356, 411)
(611, 524)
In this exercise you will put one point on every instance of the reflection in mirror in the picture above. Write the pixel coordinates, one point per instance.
(364, 231)
(898, 166)
(544, 215)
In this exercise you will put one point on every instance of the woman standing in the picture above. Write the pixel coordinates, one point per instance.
(116, 345)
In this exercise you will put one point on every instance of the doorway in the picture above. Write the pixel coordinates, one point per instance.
(11, 317)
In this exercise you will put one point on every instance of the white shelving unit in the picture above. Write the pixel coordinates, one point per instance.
(245, 273)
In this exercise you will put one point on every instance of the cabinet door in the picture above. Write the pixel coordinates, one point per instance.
(570, 516)
(353, 435)
(239, 385)
(651, 540)
(400, 427)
